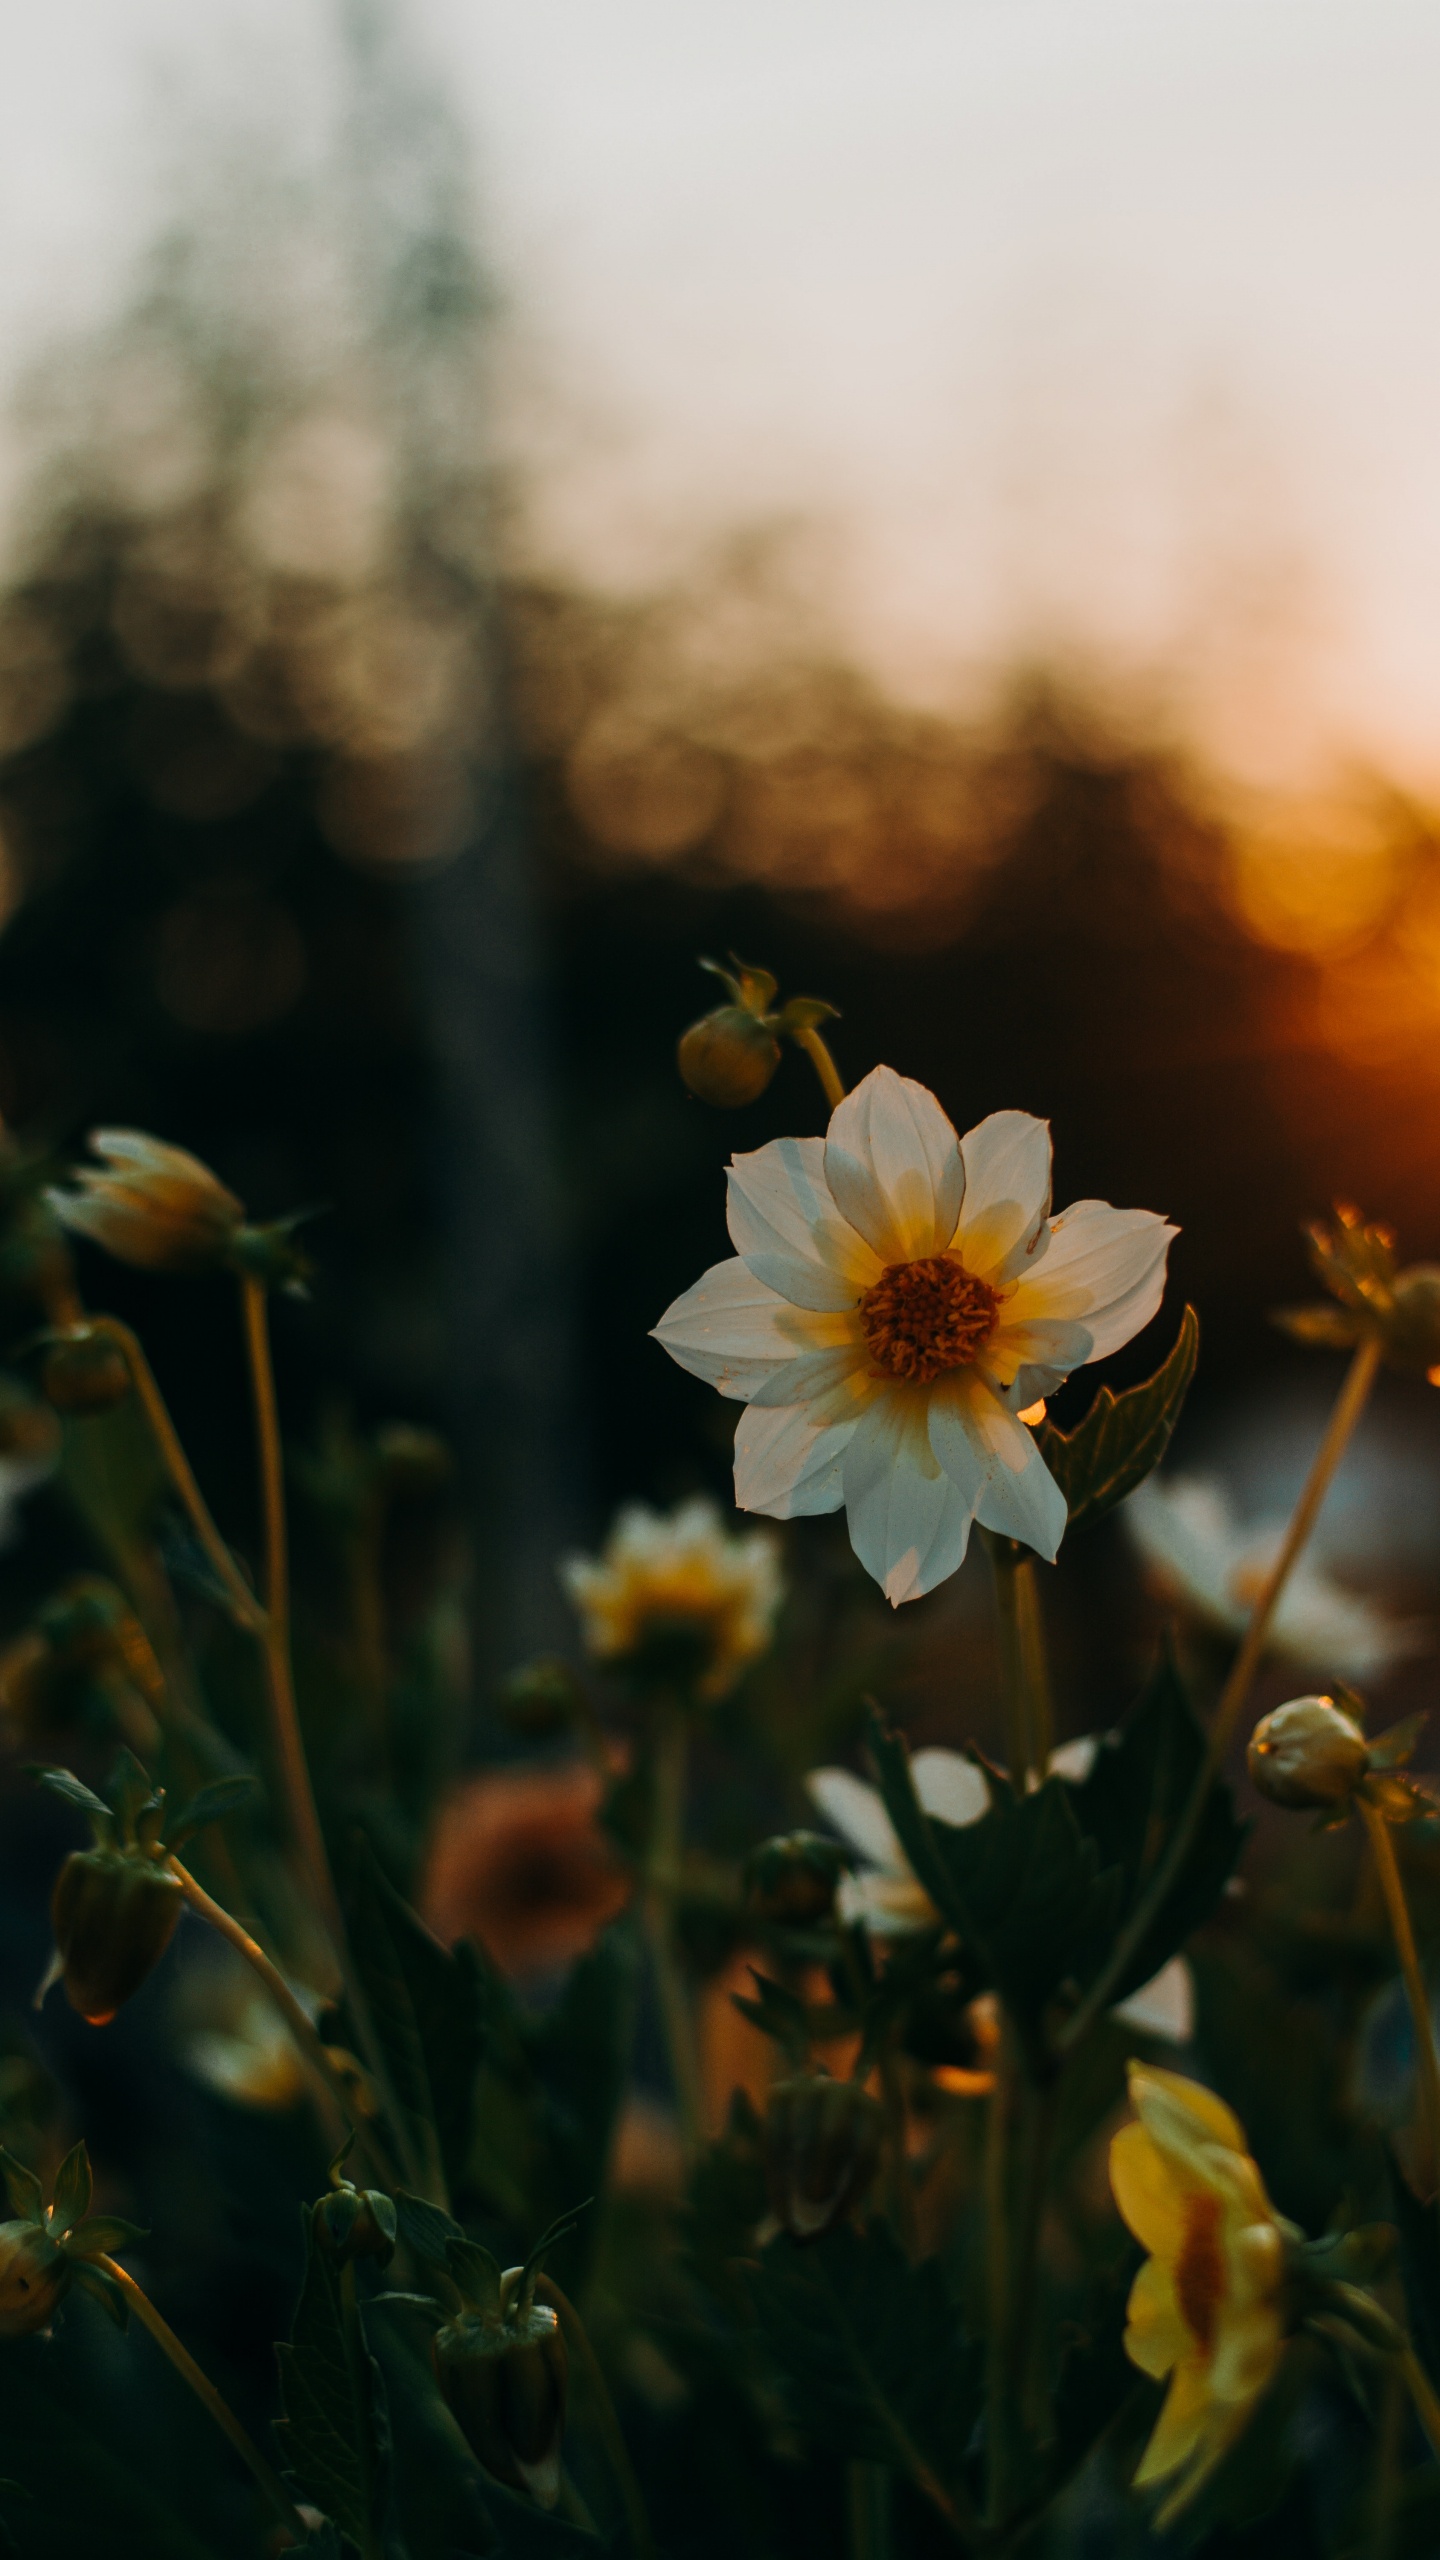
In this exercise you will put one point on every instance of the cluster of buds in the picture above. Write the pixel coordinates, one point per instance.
(791, 1881)
(159, 1208)
(47, 2248)
(1313, 1755)
(821, 2146)
(729, 1056)
(1371, 1298)
(115, 1905)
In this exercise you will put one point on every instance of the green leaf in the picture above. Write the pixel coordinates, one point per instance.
(1122, 1437)
(804, 1013)
(1129, 1805)
(1419, 2268)
(70, 1789)
(875, 2362)
(425, 2229)
(335, 2430)
(778, 2014)
(26, 2194)
(103, 2234)
(129, 1791)
(104, 2290)
(1025, 1889)
(427, 2003)
(213, 1802)
(476, 2273)
(74, 2187)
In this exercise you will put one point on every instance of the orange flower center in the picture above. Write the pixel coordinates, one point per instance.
(922, 1318)
(1200, 2269)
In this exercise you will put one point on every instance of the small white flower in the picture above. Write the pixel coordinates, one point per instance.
(150, 1204)
(679, 1573)
(1200, 1556)
(900, 1297)
(887, 1897)
(250, 2057)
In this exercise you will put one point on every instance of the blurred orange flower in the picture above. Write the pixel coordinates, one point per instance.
(518, 1861)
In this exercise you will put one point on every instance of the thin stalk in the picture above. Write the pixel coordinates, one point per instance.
(901, 2195)
(1427, 2065)
(997, 2287)
(1034, 1663)
(818, 1053)
(331, 2084)
(357, 2356)
(204, 2390)
(617, 2452)
(247, 1608)
(1348, 1407)
(867, 2501)
(1019, 1733)
(1040, 2111)
(658, 1909)
(1422, 2393)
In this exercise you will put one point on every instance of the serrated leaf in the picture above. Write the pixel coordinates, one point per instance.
(27, 2196)
(74, 2186)
(1137, 1789)
(1122, 1437)
(875, 2361)
(427, 2004)
(335, 2431)
(212, 1803)
(1025, 1888)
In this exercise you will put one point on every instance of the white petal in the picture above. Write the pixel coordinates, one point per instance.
(949, 1786)
(838, 1379)
(787, 1463)
(1025, 1361)
(784, 1222)
(1165, 2005)
(1104, 1268)
(733, 1331)
(1075, 1760)
(887, 1906)
(893, 1165)
(909, 1525)
(858, 1814)
(1019, 1498)
(1007, 1195)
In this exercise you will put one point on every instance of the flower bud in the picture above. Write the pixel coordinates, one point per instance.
(355, 2222)
(822, 2148)
(792, 1879)
(541, 1698)
(150, 1204)
(85, 1377)
(33, 2279)
(1308, 1753)
(114, 1916)
(505, 2382)
(728, 1057)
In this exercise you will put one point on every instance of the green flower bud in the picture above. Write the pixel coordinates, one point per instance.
(792, 1879)
(822, 2147)
(85, 1377)
(541, 1698)
(355, 2222)
(113, 1915)
(1309, 1753)
(33, 2279)
(505, 2381)
(728, 1057)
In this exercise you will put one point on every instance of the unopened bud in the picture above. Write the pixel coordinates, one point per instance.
(113, 1915)
(1309, 1753)
(728, 1057)
(822, 2148)
(505, 2381)
(792, 1879)
(33, 2279)
(355, 2222)
(85, 1377)
(150, 1204)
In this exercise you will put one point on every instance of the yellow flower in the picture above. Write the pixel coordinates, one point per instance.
(677, 1591)
(1205, 2307)
(150, 1204)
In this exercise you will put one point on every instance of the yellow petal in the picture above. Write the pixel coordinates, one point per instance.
(1247, 2350)
(1148, 2192)
(1155, 2335)
(1180, 2113)
(1179, 2428)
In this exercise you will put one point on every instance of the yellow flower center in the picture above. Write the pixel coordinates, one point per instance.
(922, 1318)
(1200, 2269)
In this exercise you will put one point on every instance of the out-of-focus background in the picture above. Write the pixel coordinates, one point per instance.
(939, 499)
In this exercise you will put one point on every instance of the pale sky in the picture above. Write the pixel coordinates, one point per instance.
(1105, 328)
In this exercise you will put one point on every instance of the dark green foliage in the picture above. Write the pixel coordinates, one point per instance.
(1122, 1437)
(428, 2007)
(335, 2430)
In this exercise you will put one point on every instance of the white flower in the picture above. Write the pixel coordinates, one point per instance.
(150, 1204)
(1200, 1556)
(900, 1297)
(250, 2056)
(888, 1899)
(679, 1574)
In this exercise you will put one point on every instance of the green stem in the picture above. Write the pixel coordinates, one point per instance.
(1348, 1407)
(661, 1880)
(617, 2452)
(1427, 2065)
(1034, 1663)
(818, 1053)
(867, 2500)
(1019, 1732)
(357, 2357)
(1422, 2393)
(900, 2193)
(997, 2287)
(204, 2390)
(1381, 2531)
(243, 1602)
(1039, 2111)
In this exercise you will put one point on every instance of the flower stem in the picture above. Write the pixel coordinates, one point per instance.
(204, 2390)
(667, 1825)
(1427, 2066)
(867, 2499)
(617, 2452)
(818, 1053)
(1422, 2393)
(1348, 1407)
(357, 2357)
(246, 1607)
(1012, 1608)
(997, 2287)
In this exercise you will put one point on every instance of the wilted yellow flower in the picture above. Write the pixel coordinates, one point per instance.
(676, 1590)
(1205, 2307)
(150, 1204)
